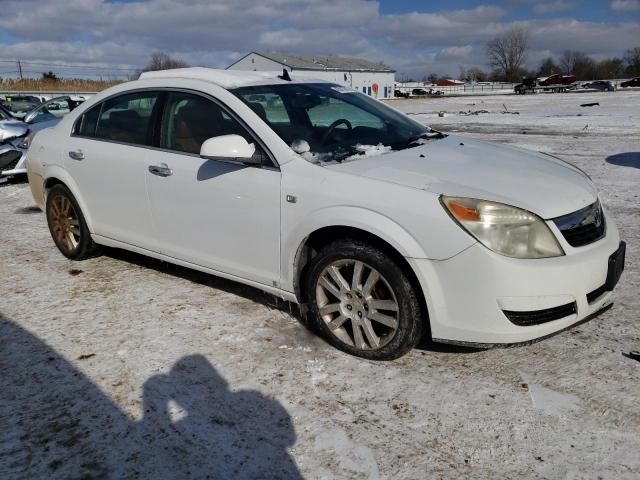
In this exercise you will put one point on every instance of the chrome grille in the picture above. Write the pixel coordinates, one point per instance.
(9, 159)
(582, 227)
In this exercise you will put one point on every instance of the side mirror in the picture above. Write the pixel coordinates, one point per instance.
(228, 147)
(29, 117)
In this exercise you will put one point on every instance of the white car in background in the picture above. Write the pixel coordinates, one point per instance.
(385, 229)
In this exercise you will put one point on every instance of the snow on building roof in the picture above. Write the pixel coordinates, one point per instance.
(228, 78)
(323, 62)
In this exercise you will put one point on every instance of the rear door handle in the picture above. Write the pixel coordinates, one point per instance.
(76, 155)
(161, 170)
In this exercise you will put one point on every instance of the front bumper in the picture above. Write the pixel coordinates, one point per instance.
(468, 294)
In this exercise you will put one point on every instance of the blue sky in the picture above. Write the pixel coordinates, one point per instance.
(588, 10)
(114, 37)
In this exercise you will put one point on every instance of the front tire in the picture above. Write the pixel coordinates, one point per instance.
(362, 302)
(67, 224)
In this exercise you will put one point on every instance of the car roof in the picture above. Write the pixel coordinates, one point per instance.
(231, 78)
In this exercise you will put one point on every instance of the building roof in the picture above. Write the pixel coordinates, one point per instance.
(228, 78)
(323, 62)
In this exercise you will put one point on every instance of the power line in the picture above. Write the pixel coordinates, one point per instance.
(62, 65)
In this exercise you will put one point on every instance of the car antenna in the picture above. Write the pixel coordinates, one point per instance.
(285, 75)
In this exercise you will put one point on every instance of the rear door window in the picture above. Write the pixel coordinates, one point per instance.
(88, 122)
(127, 118)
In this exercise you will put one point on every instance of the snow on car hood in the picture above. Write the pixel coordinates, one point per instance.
(470, 168)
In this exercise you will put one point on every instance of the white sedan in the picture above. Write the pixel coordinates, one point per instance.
(387, 231)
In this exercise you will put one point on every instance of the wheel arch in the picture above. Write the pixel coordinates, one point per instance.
(58, 176)
(322, 236)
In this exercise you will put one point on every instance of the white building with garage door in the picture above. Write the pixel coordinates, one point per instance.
(374, 79)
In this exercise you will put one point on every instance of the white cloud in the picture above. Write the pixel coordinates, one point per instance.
(454, 54)
(625, 5)
(554, 6)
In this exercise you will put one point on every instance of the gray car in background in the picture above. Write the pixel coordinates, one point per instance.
(602, 85)
(16, 133)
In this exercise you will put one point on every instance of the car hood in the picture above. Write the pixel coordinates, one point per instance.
(470, 168)
(11, 129)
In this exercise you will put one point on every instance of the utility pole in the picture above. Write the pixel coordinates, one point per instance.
(20, 69)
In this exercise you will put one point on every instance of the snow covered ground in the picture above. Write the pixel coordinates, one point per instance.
(124, 367)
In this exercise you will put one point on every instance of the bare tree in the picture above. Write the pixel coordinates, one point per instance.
(632, 58)
(508, 51)
(578, 64)
(568, 61)
(162, 61)
(477, 74)
(548, 67)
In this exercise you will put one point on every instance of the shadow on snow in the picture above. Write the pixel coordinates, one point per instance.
(56, 423)
(627, 159)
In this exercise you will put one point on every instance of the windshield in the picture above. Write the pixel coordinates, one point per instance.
(4, 115)
(21, 105)
(325, 122)
(53, 109)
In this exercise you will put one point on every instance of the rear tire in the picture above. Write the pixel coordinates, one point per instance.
(67, 225)
(362, 302)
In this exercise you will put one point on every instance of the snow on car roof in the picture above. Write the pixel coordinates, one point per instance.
(230, 78)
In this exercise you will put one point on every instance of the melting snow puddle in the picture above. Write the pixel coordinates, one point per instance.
(551, 401)
(350, 455)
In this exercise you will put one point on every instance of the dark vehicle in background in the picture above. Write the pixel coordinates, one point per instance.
(422, 91)
(19, 105)
(602, 85)
(634, 82)
(400, 94)
(553, 83)
(527, 86)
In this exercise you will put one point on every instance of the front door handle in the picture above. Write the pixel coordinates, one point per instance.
(161, 170)
(76, 155)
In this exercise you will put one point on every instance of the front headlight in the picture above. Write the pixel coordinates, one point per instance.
(26, 141)
(506, 230)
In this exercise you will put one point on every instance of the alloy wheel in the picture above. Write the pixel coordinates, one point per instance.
(65, 224)
(357, 304)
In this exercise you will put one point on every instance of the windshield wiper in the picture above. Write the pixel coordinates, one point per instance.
(344, 153)
(430, 135)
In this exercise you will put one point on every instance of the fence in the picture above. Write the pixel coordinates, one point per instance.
(45, 95)
(477, 88)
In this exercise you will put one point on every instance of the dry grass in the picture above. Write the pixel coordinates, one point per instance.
(62, 85)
